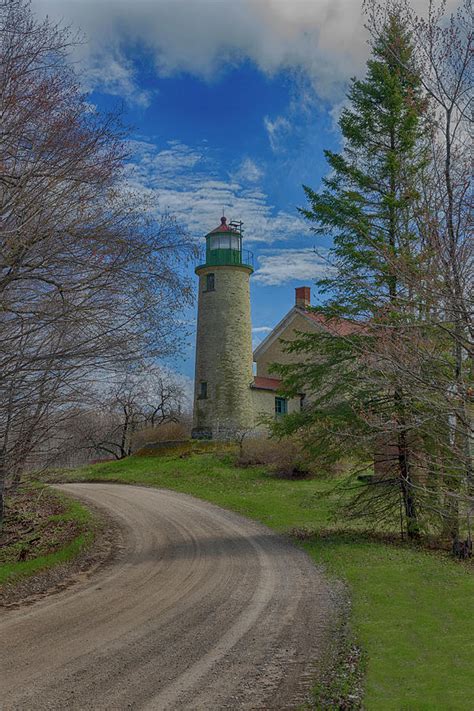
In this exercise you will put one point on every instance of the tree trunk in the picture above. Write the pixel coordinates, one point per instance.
(406, 483)
(123, 442)
(2, 486)
(406, 479)
(451, 516)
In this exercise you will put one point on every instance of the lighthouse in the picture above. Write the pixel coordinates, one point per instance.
(223, 372)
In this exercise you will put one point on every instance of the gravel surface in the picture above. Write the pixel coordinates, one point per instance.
(200, 609)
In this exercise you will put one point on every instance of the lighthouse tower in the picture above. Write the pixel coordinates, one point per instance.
(223, 374)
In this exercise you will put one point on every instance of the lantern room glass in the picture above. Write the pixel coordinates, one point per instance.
(224, 248)
(225, 241)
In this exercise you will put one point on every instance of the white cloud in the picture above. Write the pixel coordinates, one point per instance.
(184, 180)
(112, 73)
(277, 131)
(336, 111)
(323, 39)
(249, 171)
(258, 334)
(290, 264)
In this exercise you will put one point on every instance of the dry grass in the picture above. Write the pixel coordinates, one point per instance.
(168, 432)
(285, 458)
(42, 528)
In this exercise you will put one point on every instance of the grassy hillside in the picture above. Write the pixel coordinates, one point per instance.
(412, 610)
(42, 528)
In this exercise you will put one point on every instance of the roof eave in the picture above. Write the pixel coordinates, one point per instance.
(284, 323)
(273, 335)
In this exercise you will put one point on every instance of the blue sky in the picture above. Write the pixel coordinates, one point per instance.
(235, 144)
(232, 105)
(238, 142)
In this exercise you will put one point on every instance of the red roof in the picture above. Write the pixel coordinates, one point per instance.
(223, 227)
(340, 327)
(266, 383)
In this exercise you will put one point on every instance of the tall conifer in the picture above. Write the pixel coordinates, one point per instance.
(368, 203)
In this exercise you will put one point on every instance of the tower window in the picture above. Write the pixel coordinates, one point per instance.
(281, 406)
(210, 282)
(202, 390)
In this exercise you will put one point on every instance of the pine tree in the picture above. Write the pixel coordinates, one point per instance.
(368, 204)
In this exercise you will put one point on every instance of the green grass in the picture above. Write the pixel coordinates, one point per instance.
(13, 570)
(280, 504)
(413, 616)
(413, 611)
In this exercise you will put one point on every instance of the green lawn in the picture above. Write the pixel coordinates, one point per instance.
(413, 611)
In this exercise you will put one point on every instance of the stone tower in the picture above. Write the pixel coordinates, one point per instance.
(223, 374)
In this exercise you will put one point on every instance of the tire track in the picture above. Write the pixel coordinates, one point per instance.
(202, 609)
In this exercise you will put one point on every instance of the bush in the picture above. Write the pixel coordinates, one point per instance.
(285, 458)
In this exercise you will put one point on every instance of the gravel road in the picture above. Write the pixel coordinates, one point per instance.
(201, 609)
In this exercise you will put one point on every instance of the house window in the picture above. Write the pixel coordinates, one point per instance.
(202, 390)
(210, 282)
(281, 406)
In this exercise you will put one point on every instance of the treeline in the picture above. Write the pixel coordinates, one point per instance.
(90, 275)
(397, 203)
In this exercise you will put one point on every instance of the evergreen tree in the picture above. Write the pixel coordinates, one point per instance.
(360, 398)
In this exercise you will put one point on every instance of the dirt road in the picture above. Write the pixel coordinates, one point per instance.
(202, 609)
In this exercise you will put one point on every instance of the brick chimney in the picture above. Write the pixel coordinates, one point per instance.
(303, 297)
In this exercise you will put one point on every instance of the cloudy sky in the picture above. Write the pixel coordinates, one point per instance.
(232, 103)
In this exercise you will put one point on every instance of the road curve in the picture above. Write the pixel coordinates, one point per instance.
(201, 609)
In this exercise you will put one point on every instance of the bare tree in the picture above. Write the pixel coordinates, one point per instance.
(145, 397)
(89, 275)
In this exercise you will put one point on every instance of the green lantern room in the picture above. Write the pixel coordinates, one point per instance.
(224, 246)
